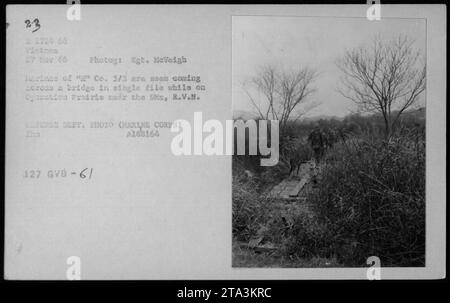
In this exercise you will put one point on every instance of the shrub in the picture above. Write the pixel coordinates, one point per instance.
(371, 198)
(309, 238)
(249, 211)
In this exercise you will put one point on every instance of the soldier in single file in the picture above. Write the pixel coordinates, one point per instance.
(318, 140)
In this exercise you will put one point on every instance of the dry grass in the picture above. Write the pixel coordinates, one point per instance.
(370, 201)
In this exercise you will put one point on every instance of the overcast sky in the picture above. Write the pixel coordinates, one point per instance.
(316, 42)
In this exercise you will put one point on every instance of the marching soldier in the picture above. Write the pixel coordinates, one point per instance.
(318, 141)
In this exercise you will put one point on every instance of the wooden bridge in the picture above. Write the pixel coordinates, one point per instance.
(290, 195)
(291, 187)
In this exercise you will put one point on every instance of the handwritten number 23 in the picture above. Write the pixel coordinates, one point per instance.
(29, 24)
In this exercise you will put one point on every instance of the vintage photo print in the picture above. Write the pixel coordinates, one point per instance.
(225, 142)
(350, 99)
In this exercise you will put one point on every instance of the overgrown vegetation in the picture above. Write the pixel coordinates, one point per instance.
(370, 198)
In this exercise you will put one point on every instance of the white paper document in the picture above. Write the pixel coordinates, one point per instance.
(225, 142)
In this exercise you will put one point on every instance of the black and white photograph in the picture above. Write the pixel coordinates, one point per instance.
(350, 99)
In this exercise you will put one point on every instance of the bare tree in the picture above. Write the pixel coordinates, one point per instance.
(280, 95)
(386, 78)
